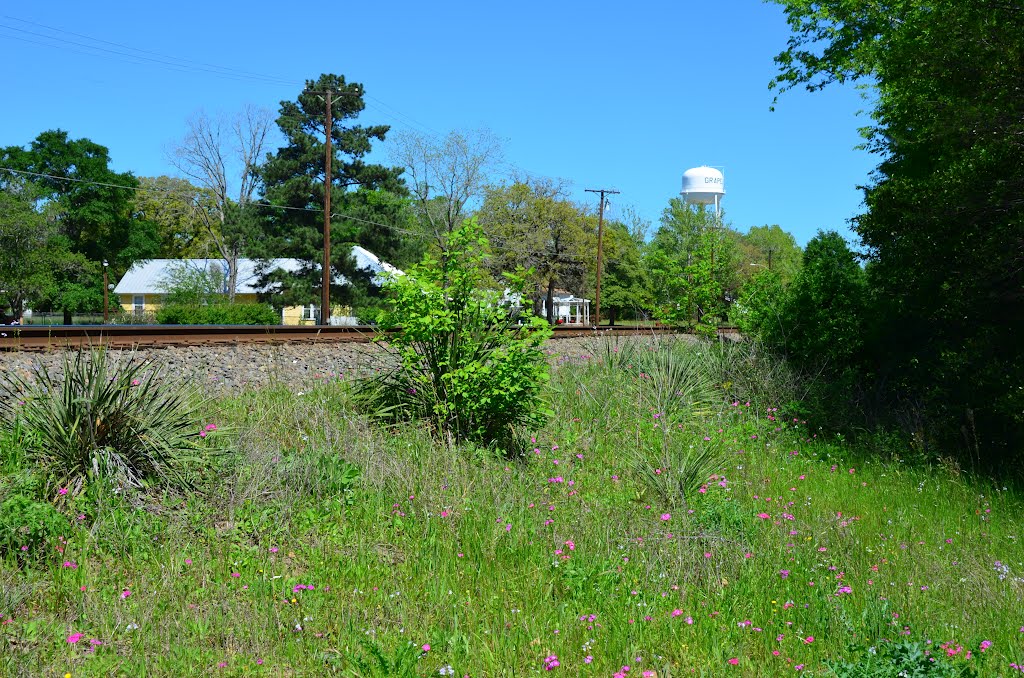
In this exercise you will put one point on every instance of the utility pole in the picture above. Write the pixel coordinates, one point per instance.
(105, 292)
(600, 245)
(325, 298)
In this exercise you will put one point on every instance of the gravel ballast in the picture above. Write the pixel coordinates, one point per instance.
(222, 369)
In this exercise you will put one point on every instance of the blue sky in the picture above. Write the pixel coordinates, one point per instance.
(624, 95)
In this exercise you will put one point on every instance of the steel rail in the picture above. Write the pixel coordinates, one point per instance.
(58, 337)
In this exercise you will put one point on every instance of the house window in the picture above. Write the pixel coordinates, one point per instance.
(138, 304)
(310, 312)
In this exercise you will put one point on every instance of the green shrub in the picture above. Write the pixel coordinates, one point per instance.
(821, 328)
(121, 425)
(758, 310)
(218, 314)
(471, 365)
(27, 526)
(123, 317)
(903, 658)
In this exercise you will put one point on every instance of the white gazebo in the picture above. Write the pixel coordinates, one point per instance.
(567, 309)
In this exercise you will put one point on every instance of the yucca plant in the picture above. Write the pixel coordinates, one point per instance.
(118, 424)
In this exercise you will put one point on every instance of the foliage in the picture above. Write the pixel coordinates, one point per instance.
(119, 425)
(193, 285)
(534, 227)
(625, 280)
(692, 259)
(824, 311)
(181, 212)
(123, 317)
(692, 288)
(374, 661)
(31, 252)
(231, 226)
(320, 474)
(218, 314)
(901, 658)
(93, 213)
(758, 310)
(444, 175)
(29, 528)
(438, 548)
(471, 364)
(943, 223)
(368, 201)
(774, 249)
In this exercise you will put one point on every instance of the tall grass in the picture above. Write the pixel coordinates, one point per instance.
(454, 564)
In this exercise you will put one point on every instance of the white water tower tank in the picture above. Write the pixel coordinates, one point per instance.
(703, 186)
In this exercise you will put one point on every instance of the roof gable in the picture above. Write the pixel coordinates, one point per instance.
(151, 276)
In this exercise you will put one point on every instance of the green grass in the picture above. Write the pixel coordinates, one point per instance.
(286, 564)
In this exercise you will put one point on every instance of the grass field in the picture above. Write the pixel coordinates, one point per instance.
(318, 544)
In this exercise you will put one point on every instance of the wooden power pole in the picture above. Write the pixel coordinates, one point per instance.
(325, 297)
(600, 246)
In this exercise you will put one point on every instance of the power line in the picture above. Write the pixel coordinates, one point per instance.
(140, 57)
(340, 215)
(184, 65)
(143, 51)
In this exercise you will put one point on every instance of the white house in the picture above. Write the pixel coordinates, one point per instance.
(142, 288)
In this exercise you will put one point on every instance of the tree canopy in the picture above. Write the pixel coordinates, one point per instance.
(369, 201)
(92, 208)
(944, 226)
(533, 225)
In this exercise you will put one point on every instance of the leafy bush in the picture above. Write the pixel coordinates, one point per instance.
(123, 317)
(471, 365)
(904, 658)
(218, 314)
(27, 525)
(822, 323)
(189, 285)
(121, 425)
(759, 307)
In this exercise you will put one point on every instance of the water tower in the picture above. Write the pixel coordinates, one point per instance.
(704, 186)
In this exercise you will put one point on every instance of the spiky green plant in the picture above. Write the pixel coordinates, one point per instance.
(120, 424)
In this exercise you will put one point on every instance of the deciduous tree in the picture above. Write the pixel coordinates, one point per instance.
(534, 226)
(944, 226)
(445, 174)
(211, 150)
(92, 209)
(183, 214)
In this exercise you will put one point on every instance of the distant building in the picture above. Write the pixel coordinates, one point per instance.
(143, 287)
(568, 309)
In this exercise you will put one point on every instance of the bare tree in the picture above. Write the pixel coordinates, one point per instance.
(214, 153)
(445, 174)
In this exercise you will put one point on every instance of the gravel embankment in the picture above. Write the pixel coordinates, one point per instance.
(217, 369)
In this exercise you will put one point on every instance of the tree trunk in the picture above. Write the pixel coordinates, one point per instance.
(17, 309)
(232, 278)
(611, 317)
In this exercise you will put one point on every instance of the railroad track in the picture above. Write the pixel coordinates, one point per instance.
(57, 337)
